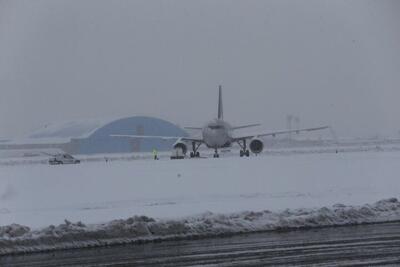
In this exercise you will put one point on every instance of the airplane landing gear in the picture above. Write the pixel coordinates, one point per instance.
(195, 153)
(244, 151)
(216, 155)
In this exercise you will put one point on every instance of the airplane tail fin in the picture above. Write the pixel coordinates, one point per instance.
(220, 107)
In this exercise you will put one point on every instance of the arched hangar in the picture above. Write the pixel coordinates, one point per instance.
(93, 136)
(101, 141)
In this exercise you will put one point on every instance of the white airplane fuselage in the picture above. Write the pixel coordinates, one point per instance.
(217, 134)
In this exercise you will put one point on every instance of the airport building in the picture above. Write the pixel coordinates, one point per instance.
(93, 136)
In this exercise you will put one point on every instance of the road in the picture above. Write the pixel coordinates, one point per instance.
(377, 244)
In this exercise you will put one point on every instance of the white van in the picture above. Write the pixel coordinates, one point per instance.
(63, 159)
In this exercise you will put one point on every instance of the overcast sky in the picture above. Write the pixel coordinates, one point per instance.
(328, 62)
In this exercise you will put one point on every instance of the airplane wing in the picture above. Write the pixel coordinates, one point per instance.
(188, 139)
(193, 128)
(245, 126)
(239, 138)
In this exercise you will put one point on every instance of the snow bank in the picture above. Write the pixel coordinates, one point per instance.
(21, 239)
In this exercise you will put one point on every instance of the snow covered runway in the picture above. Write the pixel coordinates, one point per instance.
(40, 195)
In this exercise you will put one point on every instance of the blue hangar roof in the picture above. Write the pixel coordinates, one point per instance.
(93, 136)
(100, 141)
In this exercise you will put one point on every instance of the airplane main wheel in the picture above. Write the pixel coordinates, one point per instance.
(241, 153)
(197, 154)
(247, 153)
(216, 156)
(192, 154)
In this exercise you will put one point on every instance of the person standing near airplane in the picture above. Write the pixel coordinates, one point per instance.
(155, 156)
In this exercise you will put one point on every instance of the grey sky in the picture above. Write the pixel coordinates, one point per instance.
(329, 62)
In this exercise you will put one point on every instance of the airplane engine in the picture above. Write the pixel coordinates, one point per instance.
(256, 145)
(181, 145)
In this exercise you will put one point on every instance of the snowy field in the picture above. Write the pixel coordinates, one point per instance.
(98, 192)
(39, 195)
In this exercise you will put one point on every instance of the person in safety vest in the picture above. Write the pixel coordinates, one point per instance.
(155, 154)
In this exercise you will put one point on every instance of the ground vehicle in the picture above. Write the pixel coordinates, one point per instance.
(63, 159)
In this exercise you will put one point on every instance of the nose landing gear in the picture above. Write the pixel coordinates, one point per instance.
(216, 155)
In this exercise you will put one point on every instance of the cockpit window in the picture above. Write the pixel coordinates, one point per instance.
(215, 127)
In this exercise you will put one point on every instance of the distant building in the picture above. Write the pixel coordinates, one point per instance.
(93, 136)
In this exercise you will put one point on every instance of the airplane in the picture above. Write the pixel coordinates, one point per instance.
(218, 134)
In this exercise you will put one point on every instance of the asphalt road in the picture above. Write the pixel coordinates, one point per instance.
(377, 244)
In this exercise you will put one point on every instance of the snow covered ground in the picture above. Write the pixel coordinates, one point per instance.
(21, 239)
(98, 192)
(39, 195)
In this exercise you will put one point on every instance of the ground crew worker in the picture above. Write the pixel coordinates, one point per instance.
(155, 154)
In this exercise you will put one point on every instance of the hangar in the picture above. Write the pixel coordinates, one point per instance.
(93, 136)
